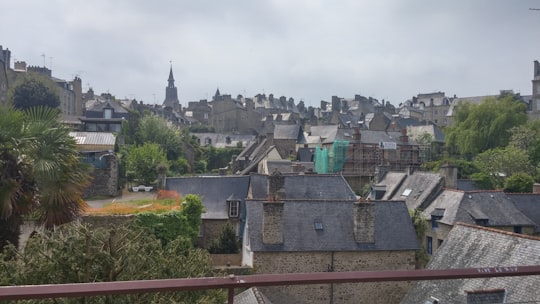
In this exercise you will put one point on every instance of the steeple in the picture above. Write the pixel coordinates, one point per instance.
(171, 94)
(171, 79)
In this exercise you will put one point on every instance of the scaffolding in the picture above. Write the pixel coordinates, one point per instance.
(331, 160)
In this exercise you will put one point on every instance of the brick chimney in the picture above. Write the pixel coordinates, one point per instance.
(272, 230)
(404, 138)
(364, 222)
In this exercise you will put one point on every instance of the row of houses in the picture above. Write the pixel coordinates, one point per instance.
(300, 222)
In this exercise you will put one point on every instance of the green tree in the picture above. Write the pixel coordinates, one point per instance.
(501, 163)
(483, 181)
(154, 129)
(33, 90)
(226, 242)
(41, 172)
(144, 160)
(478, 128)
(519, 182)
(192, 208)
(76, 253)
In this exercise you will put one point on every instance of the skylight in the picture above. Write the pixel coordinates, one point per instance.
(406, 192)
(318, 225)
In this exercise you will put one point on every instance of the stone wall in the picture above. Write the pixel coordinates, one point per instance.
(104, 181)
(291, 262)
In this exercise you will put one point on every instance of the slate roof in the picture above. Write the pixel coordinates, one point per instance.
(305, 186)
(219, 140)
(251, 296)
(213, 190)
(368, 136)
(418, 189)
(465, 207)
(434, 131)
(288, 132)
(529, 204)
(393, 227)
(392, 181)
(99, 106)
(326, 133)
(470, 246)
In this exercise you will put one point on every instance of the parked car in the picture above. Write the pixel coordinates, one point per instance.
(142, 188)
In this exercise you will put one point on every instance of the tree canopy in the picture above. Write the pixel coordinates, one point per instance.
(76, 253)
(481, 127)
(40, 169)
(144, 161)
(33, 90)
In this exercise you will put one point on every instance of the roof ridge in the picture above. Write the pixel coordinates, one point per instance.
(524, 236)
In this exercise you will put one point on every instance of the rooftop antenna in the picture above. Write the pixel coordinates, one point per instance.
(534, 9)
(43, 55)
(50, 61)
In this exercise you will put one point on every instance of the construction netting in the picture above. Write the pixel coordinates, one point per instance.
(331, 160)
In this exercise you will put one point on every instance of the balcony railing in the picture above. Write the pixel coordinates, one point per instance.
(232, 282)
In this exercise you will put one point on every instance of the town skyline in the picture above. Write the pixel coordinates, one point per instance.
(307, 50)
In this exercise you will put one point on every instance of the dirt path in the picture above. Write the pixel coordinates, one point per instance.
(125, 197)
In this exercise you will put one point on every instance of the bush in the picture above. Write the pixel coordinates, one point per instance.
(519, 182)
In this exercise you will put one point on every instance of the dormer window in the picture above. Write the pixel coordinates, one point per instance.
(234, 208)
(228, 140)
(107, 113)
(482, 222)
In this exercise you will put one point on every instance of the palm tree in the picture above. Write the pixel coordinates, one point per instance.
(41, 172)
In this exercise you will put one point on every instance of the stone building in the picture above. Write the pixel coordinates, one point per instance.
(97, 149)
(492, 209)
(223, 198)
(286, 233)
(171, 95)
(469, 246)
(5, 59)
(231, 115)
(534, 109)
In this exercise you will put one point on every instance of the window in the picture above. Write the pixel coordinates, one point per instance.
(482, 222)
(429, 245)
(228, 140)
(234, 208)
(439, 243)
(107, 113)
(518, 229)
(406, 192)
(318, 225)
(434, 223)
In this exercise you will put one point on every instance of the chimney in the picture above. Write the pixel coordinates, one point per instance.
(356, 134)
(364, 222)
(449, 173)
(276, 183)
(404, 138)
(272, 232)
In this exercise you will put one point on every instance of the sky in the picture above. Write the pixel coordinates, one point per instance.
(309, 50)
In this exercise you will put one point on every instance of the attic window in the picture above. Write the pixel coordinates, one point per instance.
(318, 225)
(107, 113)
(406, 192)
(234, 208)
(491, 296)
(482, 222)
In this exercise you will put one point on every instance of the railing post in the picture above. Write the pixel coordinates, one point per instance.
(230, 299)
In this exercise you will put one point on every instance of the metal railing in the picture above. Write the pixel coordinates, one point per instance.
(232, 282)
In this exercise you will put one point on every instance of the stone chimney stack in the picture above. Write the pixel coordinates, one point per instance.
(449, 173)
(276, 184)
(272, 230)
(364, 222)
(356, 134)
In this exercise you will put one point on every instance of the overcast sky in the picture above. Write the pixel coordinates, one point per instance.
(305, 49)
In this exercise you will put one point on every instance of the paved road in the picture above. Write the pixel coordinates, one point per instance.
(125, 197)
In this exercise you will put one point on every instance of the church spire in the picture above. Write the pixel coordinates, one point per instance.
(171, 94)
(171, 78)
